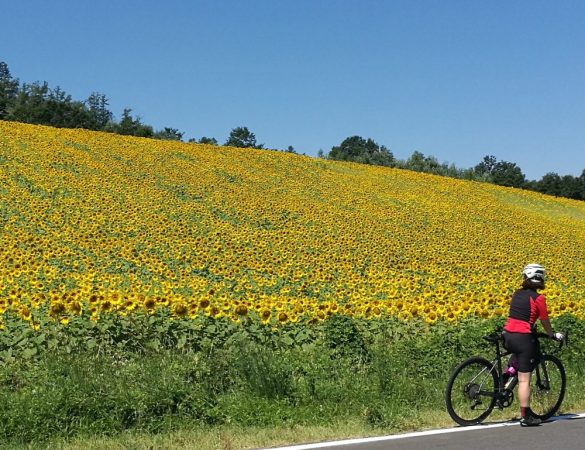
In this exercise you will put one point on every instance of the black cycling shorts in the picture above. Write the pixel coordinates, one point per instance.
(526, 348)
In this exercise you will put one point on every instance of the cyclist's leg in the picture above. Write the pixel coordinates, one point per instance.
(524, 391)
(524, 347)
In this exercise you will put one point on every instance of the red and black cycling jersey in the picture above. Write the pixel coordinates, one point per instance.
(526, 307)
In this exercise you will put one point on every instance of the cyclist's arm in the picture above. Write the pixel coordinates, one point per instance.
(543, 315)
(547, 327)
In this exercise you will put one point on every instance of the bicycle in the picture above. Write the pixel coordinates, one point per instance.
(478, 385)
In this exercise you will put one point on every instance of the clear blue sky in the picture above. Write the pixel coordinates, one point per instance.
(455, 79)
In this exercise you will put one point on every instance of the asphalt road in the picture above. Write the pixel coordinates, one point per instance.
(562, 433)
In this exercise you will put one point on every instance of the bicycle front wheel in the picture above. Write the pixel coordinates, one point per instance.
(547, 387)
(471, 391)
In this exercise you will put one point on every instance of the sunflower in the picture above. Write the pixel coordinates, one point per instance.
(203, 303)
(150, 303)
(25, 312)
(431, 317)
(57, 308)
(180, 310)
(241, 310)
(265, 315)
(64, 320)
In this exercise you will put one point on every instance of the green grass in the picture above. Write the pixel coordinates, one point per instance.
(230, 437)
(351, 378)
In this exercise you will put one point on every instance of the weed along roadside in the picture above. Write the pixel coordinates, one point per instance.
(249, 383)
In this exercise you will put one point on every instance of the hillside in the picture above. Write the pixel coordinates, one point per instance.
(95, 222)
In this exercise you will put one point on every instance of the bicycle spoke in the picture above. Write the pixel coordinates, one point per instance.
(547, 387)
(471, 392)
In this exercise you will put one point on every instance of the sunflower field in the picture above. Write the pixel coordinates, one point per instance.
(98, 228)
(94, 222)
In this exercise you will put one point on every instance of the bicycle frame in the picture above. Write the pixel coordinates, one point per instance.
(502, 394)
(487, 380)
(497, 361)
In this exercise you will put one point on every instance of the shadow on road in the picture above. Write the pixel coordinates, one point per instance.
(566, 417)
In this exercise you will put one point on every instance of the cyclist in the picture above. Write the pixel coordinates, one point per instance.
(526, 307)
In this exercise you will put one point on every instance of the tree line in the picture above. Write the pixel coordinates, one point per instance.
(489, 169)
(37, 103)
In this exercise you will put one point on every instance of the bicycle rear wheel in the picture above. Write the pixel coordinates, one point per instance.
(547, 387)
(471, 392)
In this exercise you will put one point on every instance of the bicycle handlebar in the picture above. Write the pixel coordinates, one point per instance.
(564, 341)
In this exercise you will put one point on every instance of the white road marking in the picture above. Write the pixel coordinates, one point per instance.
(415, 434)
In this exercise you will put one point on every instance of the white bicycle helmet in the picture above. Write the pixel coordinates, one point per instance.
(534, 272)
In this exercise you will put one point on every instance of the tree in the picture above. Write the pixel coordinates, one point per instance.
(243, 138)
(98, 113)
(486, 167)
(581, 179)
(427, 164)
(30, 104)
(501, 172)
(204, 140)
(169, 134)
(8, 91)
(549, 184)
(571, 187)
(566, 186)
(127, 124)
(132, 126)
(64, 112)
(365, 151)
(38, 104)
(508, 174)
(208, 141)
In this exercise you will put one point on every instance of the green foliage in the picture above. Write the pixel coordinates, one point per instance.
(8, 91)
(508, 174)
(151, 373)
(243, 138)
(566, 186)
(421, 163)
(132, 126)
(99, 114)
(38, 104)
(266, 372)
(62, 395)
(204, 140)
(345, 340)
(503, 173)
(365, 151)
(169, 134)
